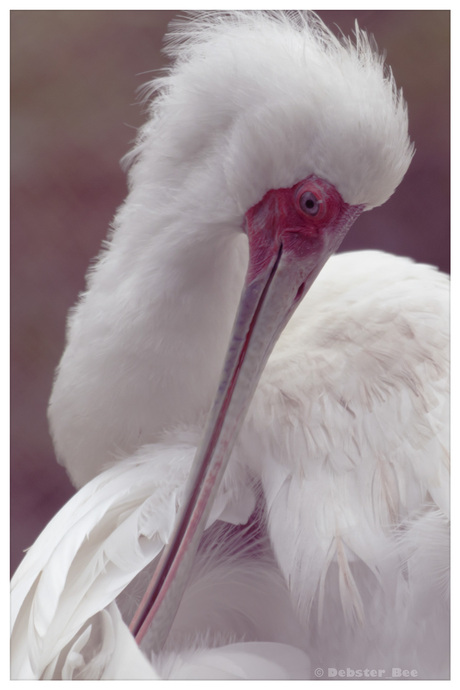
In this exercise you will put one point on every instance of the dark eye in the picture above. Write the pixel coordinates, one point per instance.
(309, 203)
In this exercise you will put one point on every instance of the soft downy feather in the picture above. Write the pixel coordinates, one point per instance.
(352, 421)
(236, 616)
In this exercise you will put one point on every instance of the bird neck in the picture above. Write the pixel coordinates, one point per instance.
(147, 341)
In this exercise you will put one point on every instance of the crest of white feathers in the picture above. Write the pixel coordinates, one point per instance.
(259, 100)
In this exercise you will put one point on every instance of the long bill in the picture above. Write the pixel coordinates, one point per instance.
(269, 297)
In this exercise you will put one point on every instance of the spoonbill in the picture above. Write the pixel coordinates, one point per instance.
(295, 467)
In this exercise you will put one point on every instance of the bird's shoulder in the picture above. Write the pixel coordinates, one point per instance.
(361, 371)
(372, 325)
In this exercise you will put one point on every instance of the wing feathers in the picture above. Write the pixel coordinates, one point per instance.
(92, 549)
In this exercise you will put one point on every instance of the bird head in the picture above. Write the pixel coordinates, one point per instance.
(256, 101)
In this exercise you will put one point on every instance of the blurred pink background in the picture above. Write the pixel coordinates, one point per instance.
(74, 76)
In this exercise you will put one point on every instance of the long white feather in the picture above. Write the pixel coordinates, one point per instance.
(96, 545)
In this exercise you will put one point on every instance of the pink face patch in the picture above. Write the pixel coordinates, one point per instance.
(306, 220)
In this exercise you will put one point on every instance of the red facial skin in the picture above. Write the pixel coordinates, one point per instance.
(279, 219)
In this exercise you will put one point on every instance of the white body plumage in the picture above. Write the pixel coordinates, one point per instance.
(345, 445)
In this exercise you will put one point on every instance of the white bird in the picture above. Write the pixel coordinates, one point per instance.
(326, 544)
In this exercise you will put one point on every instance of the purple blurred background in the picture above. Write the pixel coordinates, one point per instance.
(74, 77)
